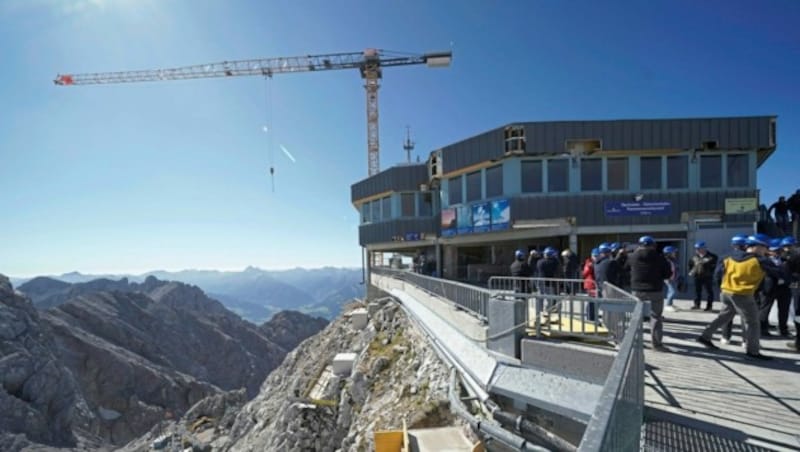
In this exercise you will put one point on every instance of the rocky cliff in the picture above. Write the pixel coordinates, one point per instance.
(135, 354)
(38, 395)
(303, 406)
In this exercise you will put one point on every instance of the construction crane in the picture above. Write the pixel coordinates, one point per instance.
(370, 63)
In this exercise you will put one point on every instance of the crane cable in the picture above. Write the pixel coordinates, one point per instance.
(269, 131)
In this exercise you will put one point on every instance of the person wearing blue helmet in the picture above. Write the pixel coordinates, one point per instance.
(701, 269)
(738, 245)
(741, 277)
(606, 269)
(648, 269)
(776, 289)
(519, 269)
(548, 267)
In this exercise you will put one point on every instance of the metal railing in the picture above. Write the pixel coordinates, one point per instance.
(561, 307)
(616, 422)
(471, 298)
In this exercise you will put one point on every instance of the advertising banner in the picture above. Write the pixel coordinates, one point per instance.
(501, 215)
(464, 219)
(481, 217)
(449, 223)
(637, 209)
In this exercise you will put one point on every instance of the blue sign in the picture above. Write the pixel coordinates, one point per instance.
(637, 209)
(481, 217)
(464, 219)
(501, 215)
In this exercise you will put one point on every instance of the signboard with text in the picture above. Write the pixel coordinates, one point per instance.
(637, 208)
(740, 205)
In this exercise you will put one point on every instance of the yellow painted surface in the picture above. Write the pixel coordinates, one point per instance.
(390, 441)
(565, 326)
(478, 447)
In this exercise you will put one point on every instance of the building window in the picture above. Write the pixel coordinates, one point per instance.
(426, 204)
(738, 170)
(407, 201)
(474, 186)
(454, 189)
(558, 175)
(365, 213)
(591, 174)
(650, 173)
(710, 171)
(494, 181)
(617, 174)
(375, 211)
(532, 176)
(386, 208)
(678, 171)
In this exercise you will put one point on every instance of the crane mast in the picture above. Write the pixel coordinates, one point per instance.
(370, 63)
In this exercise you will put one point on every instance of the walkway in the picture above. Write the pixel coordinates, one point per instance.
(707, 400)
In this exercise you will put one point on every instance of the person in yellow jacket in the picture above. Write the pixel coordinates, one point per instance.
(741, 276)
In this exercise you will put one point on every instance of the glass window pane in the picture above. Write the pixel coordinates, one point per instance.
(651, 173)
(365, 218)
(386, 208)
(532, 176)
(557, 175)
(738, 170)
(407, 201)
(710, 171)
(617, 177)
(474, 186)
(591, 174)
(426, 204)
(494, 181)
(454, 187)
(678, 171)
(375, 210)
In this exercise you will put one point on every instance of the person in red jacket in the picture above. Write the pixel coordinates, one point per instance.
(589, 283)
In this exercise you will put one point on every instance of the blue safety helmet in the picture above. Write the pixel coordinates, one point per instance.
(604, 248)
(775, 244)
(700, 245)
(550, 251)
(788, 241)
(519, 254)
(758, 240)
(739, 240)
(595, 252)
(614, 246)
(670, 249)
(646, 240)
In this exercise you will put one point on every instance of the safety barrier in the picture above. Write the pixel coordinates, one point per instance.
(617, 420)
(561, 307)
(471, 298)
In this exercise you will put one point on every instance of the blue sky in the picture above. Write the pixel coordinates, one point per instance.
(173, 175)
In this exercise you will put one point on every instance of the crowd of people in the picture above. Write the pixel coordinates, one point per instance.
(758, 272)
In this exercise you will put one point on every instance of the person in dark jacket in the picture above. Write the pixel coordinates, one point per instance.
(701, 268)
(740, 280)
(781, 209)
(605, 270)
(548, 267)
(533, 259)
(569, 264)
(621, 256)
(791, 254)
(519, 269)
(648, 269)
(738, 245)
(794, 207)
(776, 288)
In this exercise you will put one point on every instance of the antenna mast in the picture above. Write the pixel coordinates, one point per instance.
(408, 145)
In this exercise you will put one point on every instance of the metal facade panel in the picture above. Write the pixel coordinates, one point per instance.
(397, 178)
(589, 209)
(384, 231)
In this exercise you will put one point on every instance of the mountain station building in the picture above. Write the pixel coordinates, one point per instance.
(566, 184)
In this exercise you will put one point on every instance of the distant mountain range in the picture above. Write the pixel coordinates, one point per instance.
(255, 294)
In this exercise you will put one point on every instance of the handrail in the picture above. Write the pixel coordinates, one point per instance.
(617, 420)
(471, 298)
